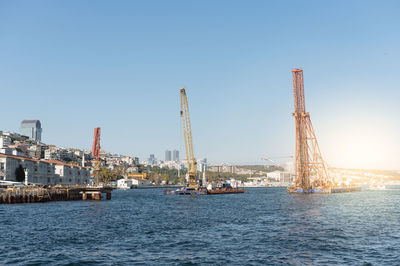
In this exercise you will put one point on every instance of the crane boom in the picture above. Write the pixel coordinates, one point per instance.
(96, 154)
(96, 143)
(187, 132)
(274, 162)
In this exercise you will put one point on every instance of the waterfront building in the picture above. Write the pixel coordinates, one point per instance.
(127, 183)
(124, 183)
(168, 156)
(31, 129)
(140, 182)
(175, 156)
(23, 169)
(67, 174)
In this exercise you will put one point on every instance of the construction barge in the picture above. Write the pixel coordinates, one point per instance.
(224, 189)
(46, 194)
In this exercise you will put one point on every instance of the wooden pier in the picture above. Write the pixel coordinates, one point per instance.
(38, 194)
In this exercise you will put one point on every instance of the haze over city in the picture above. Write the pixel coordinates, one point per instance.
(76, 65)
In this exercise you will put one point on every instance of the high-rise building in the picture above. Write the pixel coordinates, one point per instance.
(31, 129)
(152, 160)
(175, 156)
(168, 156)
(202, 165)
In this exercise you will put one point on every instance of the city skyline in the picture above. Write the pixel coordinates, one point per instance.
(125, 65)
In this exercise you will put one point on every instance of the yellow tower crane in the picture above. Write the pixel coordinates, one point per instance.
(187, 132)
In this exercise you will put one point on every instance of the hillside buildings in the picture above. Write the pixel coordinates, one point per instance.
(26, 159)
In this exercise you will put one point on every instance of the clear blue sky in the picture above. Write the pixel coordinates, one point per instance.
(119, 65)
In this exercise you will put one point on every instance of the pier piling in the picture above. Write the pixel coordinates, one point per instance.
(37, 194)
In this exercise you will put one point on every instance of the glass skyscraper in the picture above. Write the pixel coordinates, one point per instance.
(31, 129)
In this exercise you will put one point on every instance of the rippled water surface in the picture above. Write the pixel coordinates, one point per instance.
(261, 226)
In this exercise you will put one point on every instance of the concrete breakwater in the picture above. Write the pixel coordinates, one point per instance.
(37, 194)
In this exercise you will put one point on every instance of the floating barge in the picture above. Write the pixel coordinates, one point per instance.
(39, 194)
(186, 191)
(204, 191)
(225, 190)
(326, 190)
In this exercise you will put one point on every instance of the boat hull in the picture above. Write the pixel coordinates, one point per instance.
(225, 191)
(203, 191)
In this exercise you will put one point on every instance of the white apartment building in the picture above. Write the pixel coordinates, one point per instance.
(67, 154)
(5, 141)
(124, 183)
(52, 154)
(279, 176)
(78, 153)
(23, 169)
(12, 134)
(71, 174)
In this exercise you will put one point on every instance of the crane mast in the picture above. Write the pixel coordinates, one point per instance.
(187, 132)
(96, 154)
(310, 169)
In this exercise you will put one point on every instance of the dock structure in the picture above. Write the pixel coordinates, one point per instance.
(38, 194)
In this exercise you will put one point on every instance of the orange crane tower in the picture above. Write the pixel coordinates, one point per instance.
(96, 155)
(187, 131)
(310, 169)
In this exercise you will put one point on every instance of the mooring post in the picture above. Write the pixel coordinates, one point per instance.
(96, 196)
